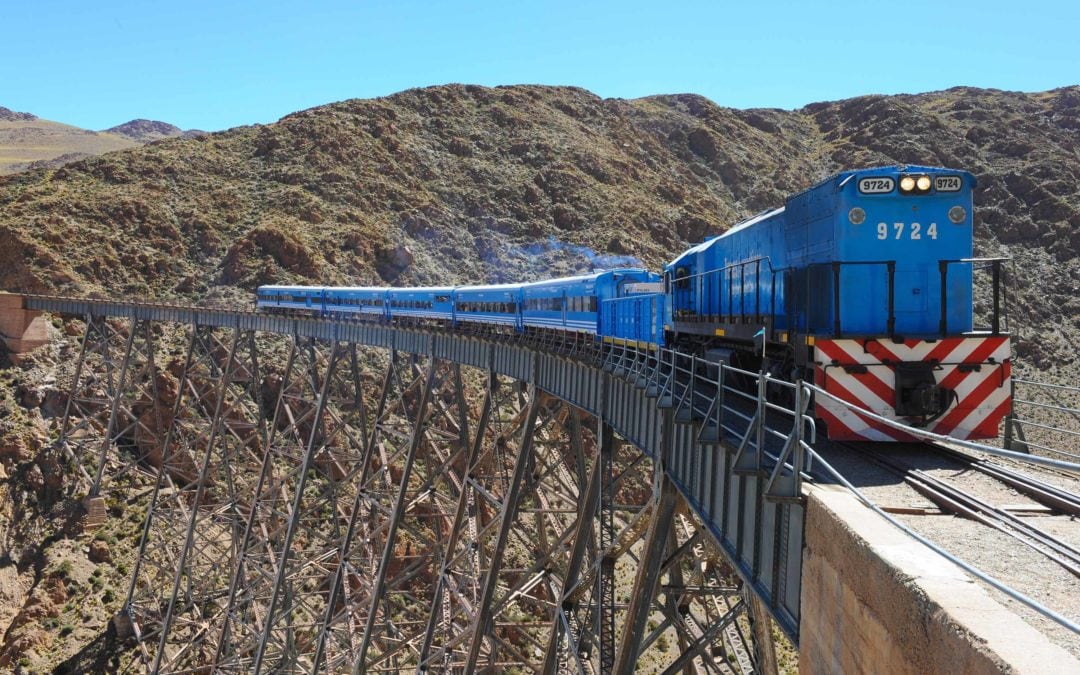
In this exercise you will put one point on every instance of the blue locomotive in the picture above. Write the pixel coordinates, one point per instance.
(862, 283)
(865, 253)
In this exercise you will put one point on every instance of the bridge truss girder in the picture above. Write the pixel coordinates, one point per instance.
(373, 511)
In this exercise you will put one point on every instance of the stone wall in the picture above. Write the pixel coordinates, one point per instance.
(876, 601)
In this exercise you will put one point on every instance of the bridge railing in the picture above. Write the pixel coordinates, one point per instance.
(762, 418)
(1045, 418)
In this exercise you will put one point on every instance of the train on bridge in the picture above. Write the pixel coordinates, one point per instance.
(863, 284)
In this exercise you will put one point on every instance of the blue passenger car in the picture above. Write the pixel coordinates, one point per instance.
(351, 301)
(420, 303)
(495, 304)
(291, 298)
(573, 303)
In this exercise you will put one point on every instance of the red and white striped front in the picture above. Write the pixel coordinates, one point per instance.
(977, 369)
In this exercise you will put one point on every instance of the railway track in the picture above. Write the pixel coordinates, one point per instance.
(1038, 490)
(953, 499)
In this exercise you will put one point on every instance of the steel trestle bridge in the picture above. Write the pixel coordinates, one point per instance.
(416, 498)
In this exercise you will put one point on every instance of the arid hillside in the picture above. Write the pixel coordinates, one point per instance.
(464, 184)
(454, 184)
(29, 142)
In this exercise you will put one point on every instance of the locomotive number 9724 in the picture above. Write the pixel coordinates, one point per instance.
(912, 231)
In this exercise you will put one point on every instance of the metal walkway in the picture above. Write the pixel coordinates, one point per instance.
(361, 513)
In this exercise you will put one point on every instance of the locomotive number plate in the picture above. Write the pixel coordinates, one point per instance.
(875, 186)
(948, 183)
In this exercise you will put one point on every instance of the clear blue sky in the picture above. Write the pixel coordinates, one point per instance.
(214, 65)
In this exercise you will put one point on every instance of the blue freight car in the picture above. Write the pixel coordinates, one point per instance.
(635, 320)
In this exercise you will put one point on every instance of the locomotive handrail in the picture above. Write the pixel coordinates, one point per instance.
(999, 291)
(890, 266)
(679, 292)
(836, 266)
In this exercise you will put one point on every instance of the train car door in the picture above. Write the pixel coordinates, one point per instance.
(911, 302)
(519, 310)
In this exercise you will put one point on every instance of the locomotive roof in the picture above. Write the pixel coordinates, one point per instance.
(842, 176)
(752, 220)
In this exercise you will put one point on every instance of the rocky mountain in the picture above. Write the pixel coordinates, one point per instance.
(468, 184)
(457, 184)
(28, 142)
(7, 115)
(145, 131)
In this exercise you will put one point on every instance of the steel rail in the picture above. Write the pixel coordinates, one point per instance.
(1041, 491)
(956, 500)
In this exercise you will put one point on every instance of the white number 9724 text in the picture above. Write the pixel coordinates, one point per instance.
(911, 231)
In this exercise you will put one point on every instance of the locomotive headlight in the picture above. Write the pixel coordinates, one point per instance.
(857, 216)
(907, 184)
(957, 214)
(923, 183)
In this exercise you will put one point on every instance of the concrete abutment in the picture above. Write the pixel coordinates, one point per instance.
(875, 601)
(22, 330)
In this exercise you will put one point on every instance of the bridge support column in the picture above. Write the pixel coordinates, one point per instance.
(396, 516)
(114, 400)
(645, 583)
(462, 530)
(206, 472)
(482, 627)
(562, 637)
